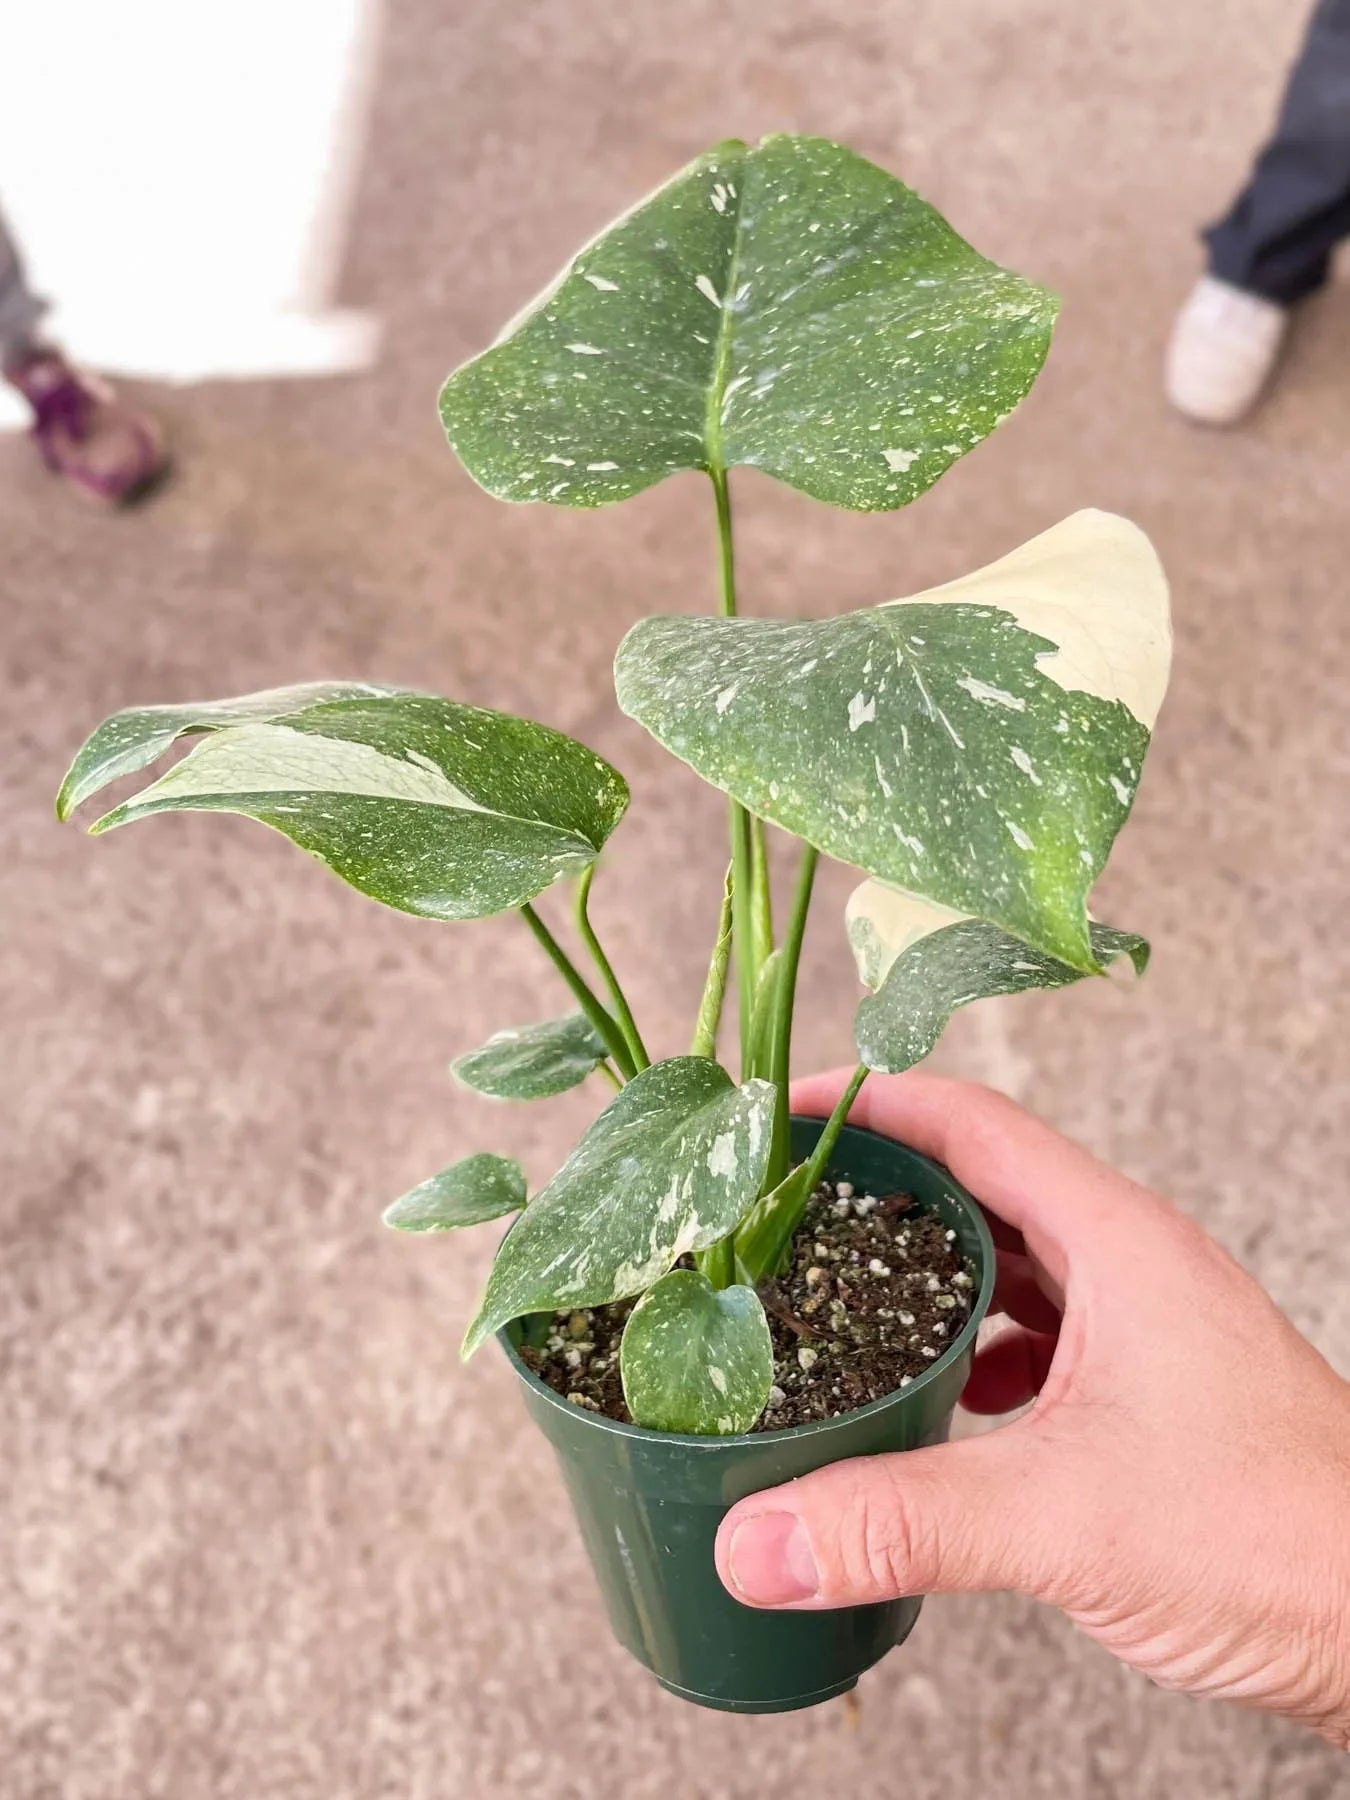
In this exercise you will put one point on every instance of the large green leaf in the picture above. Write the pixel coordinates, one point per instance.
(530, 1062)
(788, 306)
(448, 811)
(670, 1166)
(926, 961)
(470, 1192)
(979, 744)
(696, 1358)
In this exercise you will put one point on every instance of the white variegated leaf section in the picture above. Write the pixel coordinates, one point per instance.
(924, 962)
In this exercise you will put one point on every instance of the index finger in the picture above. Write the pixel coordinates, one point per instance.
(1052, 1190)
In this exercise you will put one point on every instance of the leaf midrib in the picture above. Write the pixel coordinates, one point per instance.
(712, 417)
(132, 809)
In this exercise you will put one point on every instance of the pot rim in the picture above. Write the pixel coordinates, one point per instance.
(984, 1294)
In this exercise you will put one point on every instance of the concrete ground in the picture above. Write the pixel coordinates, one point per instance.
(261, 1535)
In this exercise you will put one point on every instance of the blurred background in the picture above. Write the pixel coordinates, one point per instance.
(260, 1534)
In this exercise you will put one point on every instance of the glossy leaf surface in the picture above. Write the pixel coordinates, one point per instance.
(925, 962)
(470, 1192)
(670, 1166)
(788, 306)
(696, 1358)
(447, 811)
(978, 744)
(531, 1062)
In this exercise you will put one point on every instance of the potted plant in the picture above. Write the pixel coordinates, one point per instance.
(710, 1297)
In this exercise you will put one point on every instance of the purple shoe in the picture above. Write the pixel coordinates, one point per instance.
(85, 433)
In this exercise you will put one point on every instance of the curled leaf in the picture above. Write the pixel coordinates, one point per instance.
(531, 1062)
(447, 811)
(925, 962)
(471, 1192)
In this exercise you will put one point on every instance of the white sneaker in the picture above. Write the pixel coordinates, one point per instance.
(1223, 350)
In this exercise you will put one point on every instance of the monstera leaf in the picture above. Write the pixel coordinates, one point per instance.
(470, 1192)
(670, 1165)
(925, 961)
(531, 1062)
(978, 744)
(448, 811)
(696, 1358)
(788, 306)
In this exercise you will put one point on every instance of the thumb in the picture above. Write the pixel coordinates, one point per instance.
(954, 1518)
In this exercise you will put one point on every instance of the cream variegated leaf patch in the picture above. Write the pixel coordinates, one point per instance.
(924, 962)
(696, 1358)
(787, 306)
(670, 1166)
(447, 811)
(978, 744)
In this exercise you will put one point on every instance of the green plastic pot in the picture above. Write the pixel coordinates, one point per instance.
(649, 1502)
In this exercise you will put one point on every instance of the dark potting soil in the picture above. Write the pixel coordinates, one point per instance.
(876, 1292)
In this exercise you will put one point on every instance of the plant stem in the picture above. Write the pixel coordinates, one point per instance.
(615, 1042)
(623, 1012)
(765, 1235)
(715, 986)
(749, 896)
(761, 918)
(780, 1052)
(726, 551)
(815, 1164)
(742, 930)
(718, 1262)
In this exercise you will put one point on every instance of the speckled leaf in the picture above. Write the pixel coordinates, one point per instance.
(696, 1358)
(470, 1192)
(788, 306)
(978, 744)
(926, 961)
(530, 1062)
(133, 739)
(448, 811)
(670, 1165)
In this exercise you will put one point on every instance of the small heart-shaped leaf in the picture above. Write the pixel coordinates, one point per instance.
(447, 811)
(696, 1358)
(530, 1062)
(925, 961)
(470, 1192)
(670, 1166)
(788, 306)
(979, 744)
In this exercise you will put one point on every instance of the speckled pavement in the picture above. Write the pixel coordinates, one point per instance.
(261, 1538)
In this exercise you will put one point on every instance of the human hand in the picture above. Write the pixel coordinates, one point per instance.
(1181, 1486)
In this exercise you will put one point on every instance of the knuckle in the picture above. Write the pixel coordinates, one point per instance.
(882, 1548)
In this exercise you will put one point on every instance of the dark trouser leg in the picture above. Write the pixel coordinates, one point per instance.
(1278, 238)
(20, 309)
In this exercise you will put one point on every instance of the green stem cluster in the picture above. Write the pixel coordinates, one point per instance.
(622, 1011)
(766, 982)
(620, 1052)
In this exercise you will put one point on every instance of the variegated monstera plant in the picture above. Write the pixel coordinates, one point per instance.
(973, 749)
